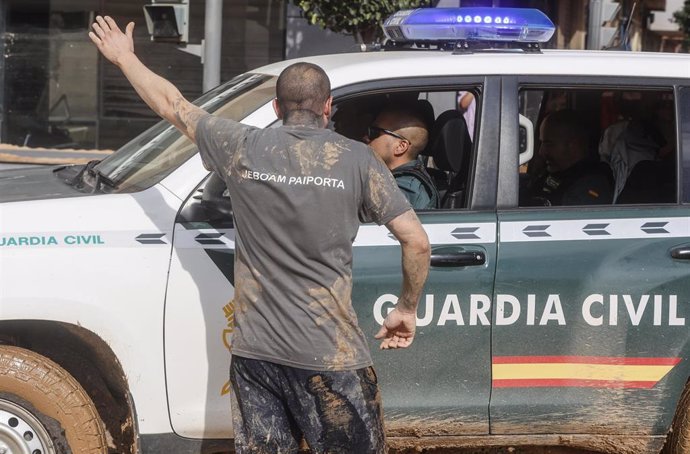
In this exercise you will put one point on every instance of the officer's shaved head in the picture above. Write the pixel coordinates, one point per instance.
(409, 123)
(303, 89)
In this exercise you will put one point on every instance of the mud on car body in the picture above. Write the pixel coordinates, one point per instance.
(540, 324)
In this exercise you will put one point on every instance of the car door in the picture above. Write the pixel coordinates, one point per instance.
(591, 301)
(441, 385)
(198, 313)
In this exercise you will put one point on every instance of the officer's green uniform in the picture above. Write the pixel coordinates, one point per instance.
(414, 181)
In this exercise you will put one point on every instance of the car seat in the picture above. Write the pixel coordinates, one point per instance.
(650, 182)
(450, 146)
(623, 146)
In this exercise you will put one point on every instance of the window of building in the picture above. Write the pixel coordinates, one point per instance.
(57, 92)
(50, 78)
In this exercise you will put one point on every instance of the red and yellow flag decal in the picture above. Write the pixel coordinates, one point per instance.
(579, 371)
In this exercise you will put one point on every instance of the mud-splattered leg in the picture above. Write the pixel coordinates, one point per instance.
(338, 412)
(261, 421)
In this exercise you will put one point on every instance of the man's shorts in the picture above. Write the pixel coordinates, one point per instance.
(274, 406)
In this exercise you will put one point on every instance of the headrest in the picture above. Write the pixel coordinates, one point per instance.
(426, 111)
(449, 141)
(424, 108)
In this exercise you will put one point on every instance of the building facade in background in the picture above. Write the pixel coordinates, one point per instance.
(57, 92)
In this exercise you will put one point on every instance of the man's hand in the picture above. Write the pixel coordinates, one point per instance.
(158, 93)
(110, 40)
(398, 329)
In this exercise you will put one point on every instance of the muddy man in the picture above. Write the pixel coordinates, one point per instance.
(300, 364)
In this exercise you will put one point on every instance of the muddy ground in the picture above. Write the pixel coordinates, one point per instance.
(523, 450)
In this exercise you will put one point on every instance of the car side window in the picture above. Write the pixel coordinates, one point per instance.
(435, 171)
(599, 147)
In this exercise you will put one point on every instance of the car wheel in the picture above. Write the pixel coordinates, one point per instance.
(678, 440)
(43, 409)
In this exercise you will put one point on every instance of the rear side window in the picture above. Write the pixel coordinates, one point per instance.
(599, 147)
(685, 139)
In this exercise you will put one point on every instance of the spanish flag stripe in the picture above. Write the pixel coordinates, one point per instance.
(562, 383)
(579, 372)
(585, 360)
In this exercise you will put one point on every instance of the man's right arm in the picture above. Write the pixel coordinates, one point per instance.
(158, 93)
(399, 326)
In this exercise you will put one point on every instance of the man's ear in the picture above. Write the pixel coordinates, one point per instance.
(327, 108)
(402, 147)
(276, 109)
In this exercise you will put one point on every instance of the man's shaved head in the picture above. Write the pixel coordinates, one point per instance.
(303, 89)
(409, 135)
(409, 123)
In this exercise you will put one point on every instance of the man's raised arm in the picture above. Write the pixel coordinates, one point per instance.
(399, 326)
(160, 95)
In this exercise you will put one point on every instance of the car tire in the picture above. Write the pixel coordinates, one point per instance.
(43, 409)
(678, 439)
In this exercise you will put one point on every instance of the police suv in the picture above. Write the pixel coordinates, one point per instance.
(544, 322)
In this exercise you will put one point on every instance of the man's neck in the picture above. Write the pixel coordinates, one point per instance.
(300, 119)
(400, 162)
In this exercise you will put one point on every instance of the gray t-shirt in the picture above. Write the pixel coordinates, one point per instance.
(298, 196)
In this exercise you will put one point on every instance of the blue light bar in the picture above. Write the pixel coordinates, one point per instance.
(523, 25)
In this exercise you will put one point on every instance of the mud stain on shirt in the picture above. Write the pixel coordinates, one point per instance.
(311, 156)
(333, 308)
(332, 152)
(305, 152)
(247, 287)
(237, 157)
(379, 194)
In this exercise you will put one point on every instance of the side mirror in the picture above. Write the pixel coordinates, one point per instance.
(214, 199)
(526, 139)
(221, 206)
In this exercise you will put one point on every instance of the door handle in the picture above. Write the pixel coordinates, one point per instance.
(448, 259)
(681, 252)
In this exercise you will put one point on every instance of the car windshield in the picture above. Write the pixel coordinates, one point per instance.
(154, 154)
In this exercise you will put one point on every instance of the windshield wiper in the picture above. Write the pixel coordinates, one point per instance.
(89, 176)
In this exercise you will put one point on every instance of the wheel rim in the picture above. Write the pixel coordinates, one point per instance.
(21, 432)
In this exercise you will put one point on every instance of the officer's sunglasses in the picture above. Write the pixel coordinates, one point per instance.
(374, 132)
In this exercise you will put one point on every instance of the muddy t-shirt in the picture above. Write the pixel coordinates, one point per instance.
(298, 196)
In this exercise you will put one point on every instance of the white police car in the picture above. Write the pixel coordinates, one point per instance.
(544, 322)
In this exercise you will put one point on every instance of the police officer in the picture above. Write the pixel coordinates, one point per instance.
(398, 135)
(574, 175)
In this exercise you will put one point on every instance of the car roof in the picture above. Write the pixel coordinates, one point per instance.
(344, 69)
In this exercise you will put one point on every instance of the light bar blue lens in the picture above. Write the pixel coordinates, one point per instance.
(473, 23)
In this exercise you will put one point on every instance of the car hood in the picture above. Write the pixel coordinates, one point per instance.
(38, 183)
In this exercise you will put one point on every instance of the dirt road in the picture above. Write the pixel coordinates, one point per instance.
(523, 450)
